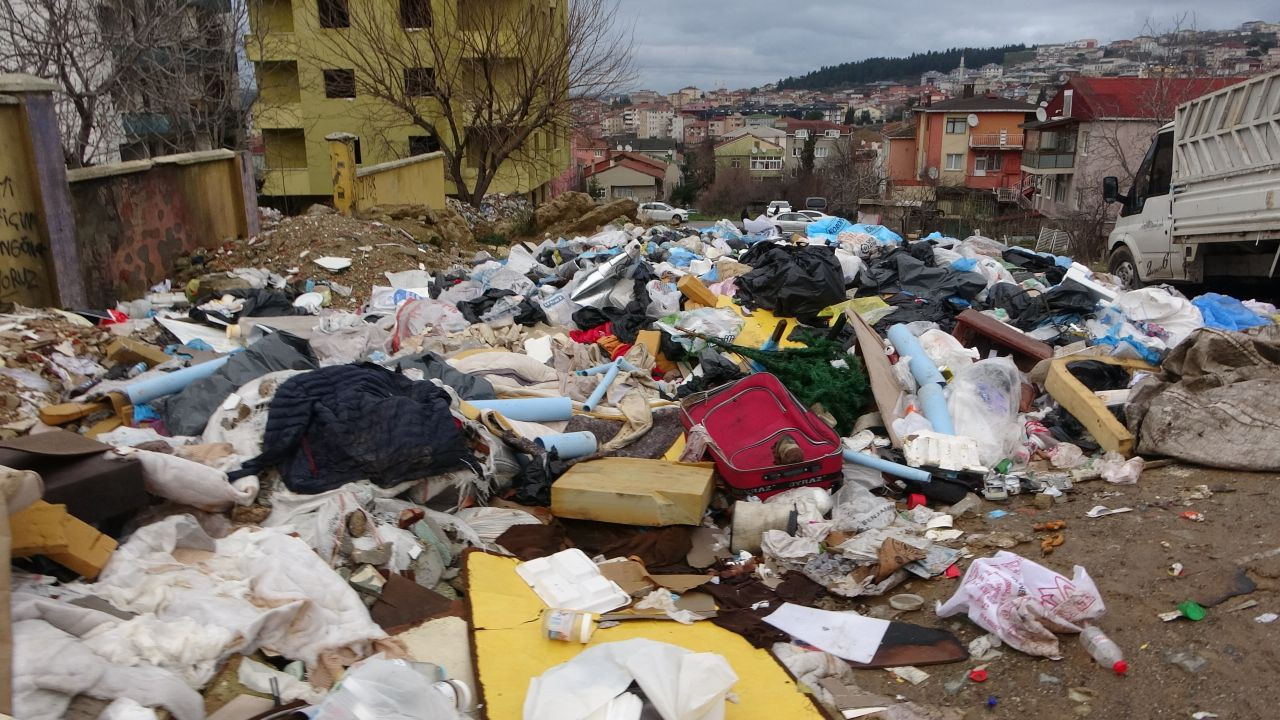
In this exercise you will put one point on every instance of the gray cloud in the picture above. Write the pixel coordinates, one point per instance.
(752, 42)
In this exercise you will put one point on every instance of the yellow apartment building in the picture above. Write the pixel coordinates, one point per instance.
(306, 90)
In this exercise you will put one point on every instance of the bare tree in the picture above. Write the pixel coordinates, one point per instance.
(491, 85)
(162, 61)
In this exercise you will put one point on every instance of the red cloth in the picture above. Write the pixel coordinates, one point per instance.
(592, 335)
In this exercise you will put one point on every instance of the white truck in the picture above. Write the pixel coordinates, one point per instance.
(1205, 201)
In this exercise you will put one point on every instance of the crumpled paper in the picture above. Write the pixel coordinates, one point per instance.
(1025, 603)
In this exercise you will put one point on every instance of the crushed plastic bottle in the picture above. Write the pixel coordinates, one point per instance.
(1103, 649)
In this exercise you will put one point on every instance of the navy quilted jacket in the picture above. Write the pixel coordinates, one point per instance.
(340, 424)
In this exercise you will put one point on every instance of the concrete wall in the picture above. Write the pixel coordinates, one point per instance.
(416, 180)
(26, 271)
(134, 219)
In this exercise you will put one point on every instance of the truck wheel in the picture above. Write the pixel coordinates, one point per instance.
(1123, 266)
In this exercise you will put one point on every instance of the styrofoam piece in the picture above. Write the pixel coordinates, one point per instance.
(1084, 276)
(333, 264)
(947, 452)
(568, 580)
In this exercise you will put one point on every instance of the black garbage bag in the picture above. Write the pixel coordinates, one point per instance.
(527, 313)
(627, 321)
(1098, 375)
(791, 281)
(259, 302)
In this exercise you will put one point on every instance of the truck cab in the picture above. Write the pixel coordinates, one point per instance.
(1141, 244)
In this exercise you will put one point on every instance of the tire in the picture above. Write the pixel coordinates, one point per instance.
(676, 219)
(1123, 266)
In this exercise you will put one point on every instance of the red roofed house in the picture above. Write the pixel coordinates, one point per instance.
(1094, 127)
(832, 142)
(623, 174)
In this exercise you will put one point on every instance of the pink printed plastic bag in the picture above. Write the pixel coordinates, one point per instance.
(1025, 603)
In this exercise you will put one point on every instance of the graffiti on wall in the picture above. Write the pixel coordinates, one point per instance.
(24, 252)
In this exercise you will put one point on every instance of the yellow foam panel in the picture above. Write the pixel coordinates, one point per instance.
(510, 649)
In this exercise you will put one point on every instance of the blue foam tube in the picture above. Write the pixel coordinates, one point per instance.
(922, 368)
(147, 389)
(569, 445)
(529, 409)
(598, 393)
(934, 406)
(885, 466)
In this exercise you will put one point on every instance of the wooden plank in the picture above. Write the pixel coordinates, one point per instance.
(694, 289)
(1087, 407)
(884, 387)
(634, 491)
(38, 530)
(982, 332)
(89, 549)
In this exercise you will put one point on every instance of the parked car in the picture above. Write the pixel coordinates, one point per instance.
(815, 203)
(815, 214)
(792, 222)
(777, 207)
(659, 212)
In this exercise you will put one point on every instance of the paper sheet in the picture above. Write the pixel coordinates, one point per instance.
(846, 635)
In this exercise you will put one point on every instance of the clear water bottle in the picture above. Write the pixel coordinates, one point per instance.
(1103, 649)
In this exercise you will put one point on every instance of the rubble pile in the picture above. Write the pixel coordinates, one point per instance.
(378, 478)
(498, 213)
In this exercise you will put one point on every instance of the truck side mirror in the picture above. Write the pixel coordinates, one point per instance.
(1110, 189)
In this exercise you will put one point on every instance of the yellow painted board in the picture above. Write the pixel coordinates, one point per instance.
(759, 326)
(634, 491)
(1087, 407)
(38, 530)
(510, 649)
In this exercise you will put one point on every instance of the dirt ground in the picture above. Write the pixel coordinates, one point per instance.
(1129, 557)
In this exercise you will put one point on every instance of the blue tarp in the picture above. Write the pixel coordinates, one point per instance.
(1224, 312)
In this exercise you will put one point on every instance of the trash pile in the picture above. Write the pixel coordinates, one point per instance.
(624, 469)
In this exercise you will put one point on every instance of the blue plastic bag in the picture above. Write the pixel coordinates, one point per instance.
(1224, 312)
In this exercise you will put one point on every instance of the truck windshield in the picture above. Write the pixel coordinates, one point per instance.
(1154, 174)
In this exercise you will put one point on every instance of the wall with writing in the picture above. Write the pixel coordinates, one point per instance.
(26, 275)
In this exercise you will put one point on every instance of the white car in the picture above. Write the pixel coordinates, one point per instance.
(813, 214)
(777, 207)
(658, 212)
(792, 222)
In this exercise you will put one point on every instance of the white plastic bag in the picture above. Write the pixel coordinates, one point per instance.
(946, 351)
(388, 690)
(664, 298)
(983, 400)
(1115, 469)
(1025, 603)
(856, 510)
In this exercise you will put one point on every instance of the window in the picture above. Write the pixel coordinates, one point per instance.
(996, 162)
(339, 83)
(980, 165)
(597, 153)
(833, 133)
(955, 125)
(795, 152)
(735, 163)
(333, 13)
(359, 158)
(285, 149)
(820, 152)
(419, 82)
(955, 161)
(1083, 145)
(415, 13)
(802, 134)
(423, 144)
(766, 163)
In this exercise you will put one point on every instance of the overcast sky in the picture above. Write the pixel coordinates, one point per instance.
(741, 43)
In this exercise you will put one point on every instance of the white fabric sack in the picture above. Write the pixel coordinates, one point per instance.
(187, 482)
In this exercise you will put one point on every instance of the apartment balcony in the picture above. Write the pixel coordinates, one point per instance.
(1002, 141)
(1046, 162)
(271, 46)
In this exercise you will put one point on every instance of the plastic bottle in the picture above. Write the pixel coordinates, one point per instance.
(1103, 649)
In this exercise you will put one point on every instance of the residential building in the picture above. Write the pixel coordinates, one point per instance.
(301, 100)
(991, 71)
(968, 142)
(1095, 127)
(831, 142)
(613, 124)
(762, 120)
(758, 157)
(899, 151)
(653, 121)
(695, 131)
(632, 175)
(931, 78)
(715, 127)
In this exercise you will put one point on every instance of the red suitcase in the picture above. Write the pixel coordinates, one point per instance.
(745, 419)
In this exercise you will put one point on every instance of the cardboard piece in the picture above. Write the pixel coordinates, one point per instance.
(128, 351)
(1087, 407)
(510, 648)
(884, 388)
(634, 491)
(403, 603)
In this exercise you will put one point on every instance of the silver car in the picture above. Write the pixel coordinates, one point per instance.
(792, 222)
(660, 212)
